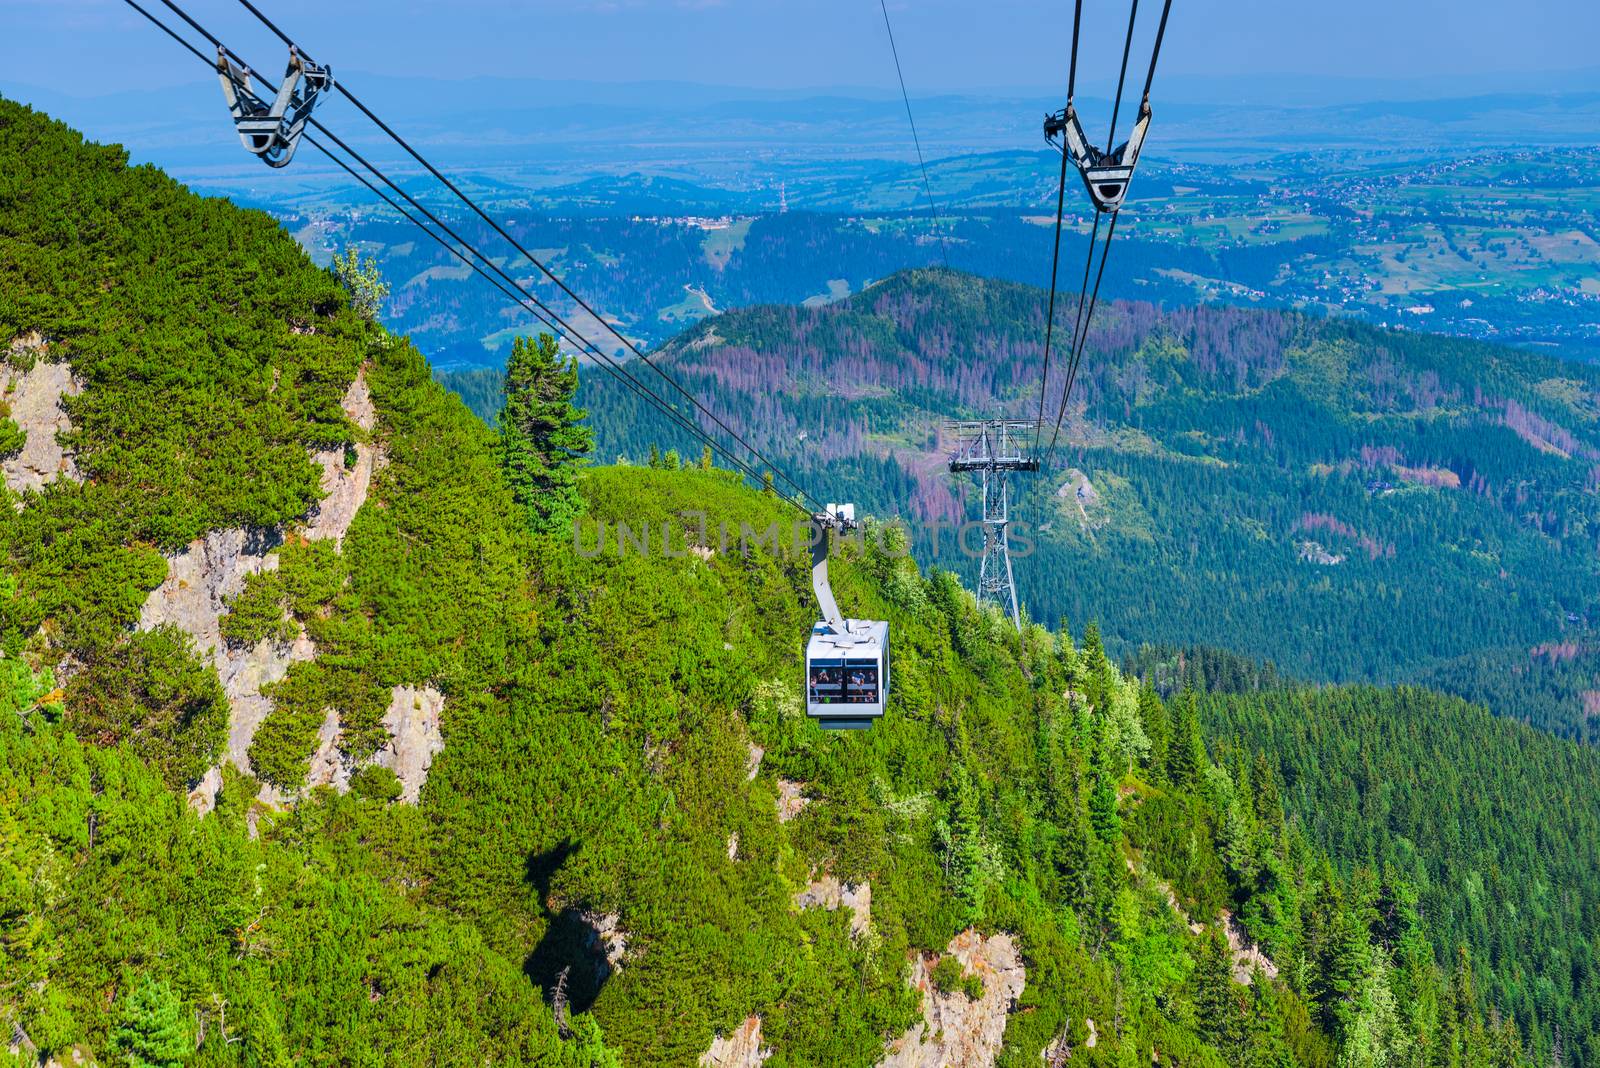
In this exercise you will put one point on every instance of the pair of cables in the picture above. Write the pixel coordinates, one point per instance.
(1087, 298)
(488, 268)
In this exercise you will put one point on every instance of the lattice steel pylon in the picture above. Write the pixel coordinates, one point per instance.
(994, 448)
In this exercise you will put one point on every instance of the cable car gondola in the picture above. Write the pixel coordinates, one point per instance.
(847, 660)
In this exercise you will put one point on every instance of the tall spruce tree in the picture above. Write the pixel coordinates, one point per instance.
(1185, 753)
(542, 436)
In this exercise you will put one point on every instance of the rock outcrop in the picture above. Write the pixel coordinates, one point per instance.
(34, 399)
(193, 597)
(345, 484)
(606, 940)
(829, 893)
(1059, 1052)
(957, 1031)
(328, 764)
(212, 570)
(741, 1049)
(1247, 958)
(791, 799)
(414, 737)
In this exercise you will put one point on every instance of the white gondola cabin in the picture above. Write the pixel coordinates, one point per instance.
(847, 660)
(847, 673)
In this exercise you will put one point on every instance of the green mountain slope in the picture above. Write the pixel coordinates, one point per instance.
(1495, 826)
(345, 766)
(1349, 503)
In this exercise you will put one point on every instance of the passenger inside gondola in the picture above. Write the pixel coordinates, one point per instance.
(825, 684)
(862, 684)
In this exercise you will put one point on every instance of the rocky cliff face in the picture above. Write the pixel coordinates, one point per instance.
(200, 581)
(414, 738)
(957, 1031)
(829, 893)
(211, 571)
(34, 398)
(346, 478)
(412, 721)
(741, 1049)
(1247, 958)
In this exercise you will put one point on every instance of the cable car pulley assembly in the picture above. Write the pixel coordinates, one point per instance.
(272, 130)
(1106, 174)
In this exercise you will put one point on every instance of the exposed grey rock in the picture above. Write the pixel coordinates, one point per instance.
(414, 737)
(1084, 498)
(1078, 487)
(345, 486)
(741, 1049)
(203, 798)
(200, 580)
(1313, 552)
(212, 570)
(752, 764)
(791, 799)
(328, 764)
(829, 893)
(1246, 957)
(203, 577)
(606, 940)
(956, 1031)
(193, 597)
(34, 397)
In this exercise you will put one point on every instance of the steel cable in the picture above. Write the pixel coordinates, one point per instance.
(927, 186)
(528, 301)
(345, 91)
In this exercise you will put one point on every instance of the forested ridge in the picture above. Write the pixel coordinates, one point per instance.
(628, 835)
(1418, 506)
(1493, 826)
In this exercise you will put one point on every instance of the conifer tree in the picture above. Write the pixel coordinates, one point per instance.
(1212, 990)
(1268, 801)
(1374, 1038)
(542, 436)
(1103, 814)
(1096, 667)
(1103, 810)
(964, 845)
(1157, 728)
(1340, 964)
(152, 1031)
(1186, 753)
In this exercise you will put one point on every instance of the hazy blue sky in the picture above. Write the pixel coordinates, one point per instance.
(95, 46)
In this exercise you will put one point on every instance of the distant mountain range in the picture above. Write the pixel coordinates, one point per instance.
(1350, 503)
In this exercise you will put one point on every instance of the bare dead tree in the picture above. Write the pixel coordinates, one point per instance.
(558, 1003)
